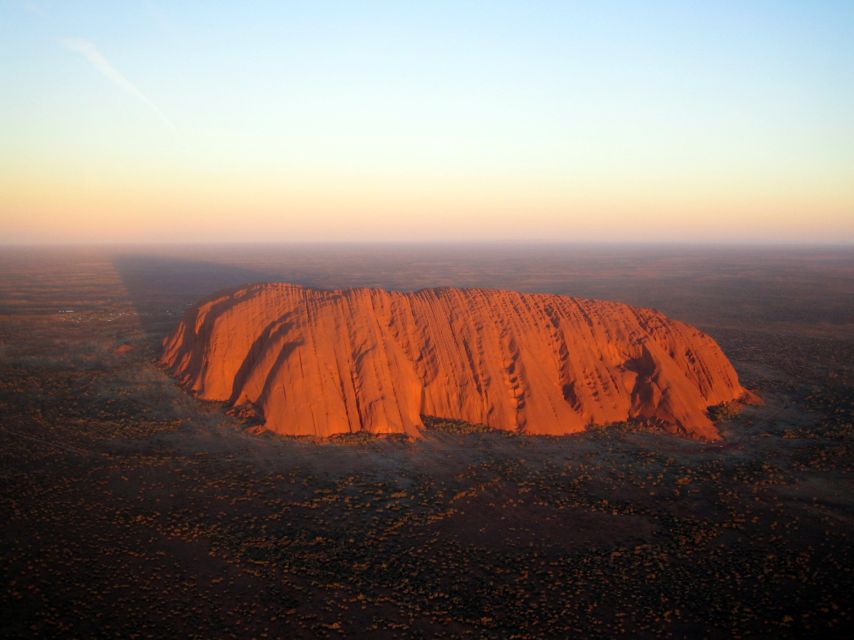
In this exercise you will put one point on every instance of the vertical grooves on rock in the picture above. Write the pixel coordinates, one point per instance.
(325, 362)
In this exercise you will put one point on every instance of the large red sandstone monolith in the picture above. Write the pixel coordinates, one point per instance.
(320, 363)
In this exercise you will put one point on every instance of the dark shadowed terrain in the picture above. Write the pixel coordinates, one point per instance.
(130, 509)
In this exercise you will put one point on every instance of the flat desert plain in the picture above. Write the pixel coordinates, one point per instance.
(132, 509)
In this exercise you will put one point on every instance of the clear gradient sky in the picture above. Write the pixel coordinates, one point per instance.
(299, 121)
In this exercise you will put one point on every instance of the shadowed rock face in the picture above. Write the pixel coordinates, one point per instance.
(315, 362)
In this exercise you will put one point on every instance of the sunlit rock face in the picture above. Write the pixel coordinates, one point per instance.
(320, 363)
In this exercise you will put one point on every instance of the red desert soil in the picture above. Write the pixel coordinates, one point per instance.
(319, 363)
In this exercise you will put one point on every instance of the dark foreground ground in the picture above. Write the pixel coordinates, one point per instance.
(129, 509)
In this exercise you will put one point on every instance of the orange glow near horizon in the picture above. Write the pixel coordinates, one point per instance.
(390, 209)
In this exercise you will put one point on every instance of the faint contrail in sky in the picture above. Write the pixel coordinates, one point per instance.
(89, 51)
(32, 7)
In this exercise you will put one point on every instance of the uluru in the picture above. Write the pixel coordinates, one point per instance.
(312, 362)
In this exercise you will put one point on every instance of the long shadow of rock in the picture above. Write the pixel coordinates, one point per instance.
(161, 287)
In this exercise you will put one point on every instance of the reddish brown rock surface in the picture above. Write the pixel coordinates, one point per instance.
(320, 363)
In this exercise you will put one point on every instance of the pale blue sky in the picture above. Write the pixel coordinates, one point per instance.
(554, 114)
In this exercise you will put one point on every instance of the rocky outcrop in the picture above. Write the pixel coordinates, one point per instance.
(320, 363)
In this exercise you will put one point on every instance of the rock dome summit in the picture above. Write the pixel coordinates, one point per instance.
(311, 362)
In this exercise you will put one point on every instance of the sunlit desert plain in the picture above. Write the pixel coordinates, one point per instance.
(133, 508)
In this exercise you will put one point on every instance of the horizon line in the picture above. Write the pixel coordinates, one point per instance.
(844, 244)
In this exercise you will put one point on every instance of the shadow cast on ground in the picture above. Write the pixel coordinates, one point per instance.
(161, 288)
